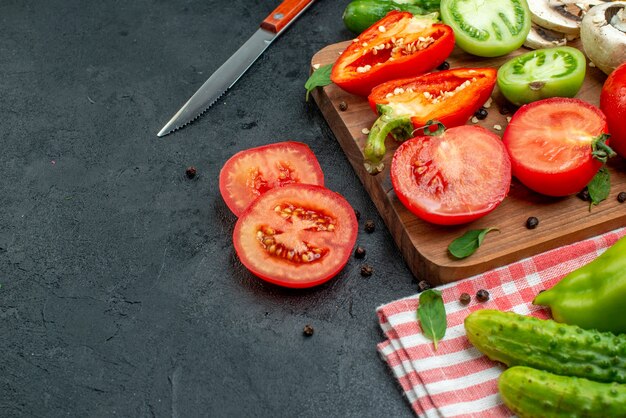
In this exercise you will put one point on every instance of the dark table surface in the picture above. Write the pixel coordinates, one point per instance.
(120, 291)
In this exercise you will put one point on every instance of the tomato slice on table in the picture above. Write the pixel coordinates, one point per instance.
(487, 28)
(544, 73)
(613, 104)
(552, 143)
(452, 178)
(297, 235)
(250, 173)
(397, 46)
(404, 105)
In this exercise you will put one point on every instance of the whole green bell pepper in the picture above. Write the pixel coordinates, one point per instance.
(361, 14)
(593, 296)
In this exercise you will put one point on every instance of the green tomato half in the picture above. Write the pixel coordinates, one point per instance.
(487, 28)
(536, 75)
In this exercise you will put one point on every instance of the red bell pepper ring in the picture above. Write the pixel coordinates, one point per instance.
(405, 106)
(397, 46)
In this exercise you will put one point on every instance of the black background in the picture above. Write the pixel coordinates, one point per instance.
(121, 294)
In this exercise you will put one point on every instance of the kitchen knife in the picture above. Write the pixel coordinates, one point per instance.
(228, 74)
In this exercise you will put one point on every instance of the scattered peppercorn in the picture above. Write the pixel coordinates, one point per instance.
(621, 197)
(465, 298)
(370, 226)
(367, 270)
(444, 66)
(532, 222)
(357, 214)
(422, 286)
(584, 195)
(343, 106)
(481, 113)
(191, 172)
(505, 109)
(359, 252)
(308, 330)
(482, 295)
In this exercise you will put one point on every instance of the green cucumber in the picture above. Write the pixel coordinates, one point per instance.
(518, 340)
(530, 392)
(361, 14)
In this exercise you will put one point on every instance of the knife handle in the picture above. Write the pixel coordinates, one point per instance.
(287, 11)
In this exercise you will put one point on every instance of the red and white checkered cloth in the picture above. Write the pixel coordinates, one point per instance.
(457, 380)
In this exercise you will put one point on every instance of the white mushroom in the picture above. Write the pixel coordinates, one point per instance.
(603, 34)
(539, 37)
(562, 16)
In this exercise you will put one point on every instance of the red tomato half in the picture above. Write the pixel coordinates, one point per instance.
(452, 178)
(297, 235)
(250, 173)
(550, 144)
(613, 104)
(397, 46)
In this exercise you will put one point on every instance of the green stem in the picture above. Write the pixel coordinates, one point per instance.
(399, 126)
(600, 150)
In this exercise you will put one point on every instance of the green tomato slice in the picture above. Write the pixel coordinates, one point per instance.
(487, 28)
(536, 75)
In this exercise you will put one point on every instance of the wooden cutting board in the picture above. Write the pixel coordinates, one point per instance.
(424, 246)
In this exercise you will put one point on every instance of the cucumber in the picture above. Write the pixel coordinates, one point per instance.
(361, 14)
(568, 350)
(530, 392)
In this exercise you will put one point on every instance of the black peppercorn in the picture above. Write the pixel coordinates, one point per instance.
(191, 172)
(370, 226)
(308, 330)
(343, 106)
(367, 270)
(621, 197)
(359, 252)
(423, 285)
(481, 113)
(357, 214)
(465, 298)
(532, 222)
(444, 66)
(505, 109)
(482, 295)
(584, 195)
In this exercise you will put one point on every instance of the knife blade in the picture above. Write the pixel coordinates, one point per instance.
(228, 74)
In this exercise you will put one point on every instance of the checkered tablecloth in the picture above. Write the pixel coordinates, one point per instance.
(457, 380)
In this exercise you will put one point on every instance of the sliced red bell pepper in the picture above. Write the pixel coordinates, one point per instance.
(397, 46)
(406, 105)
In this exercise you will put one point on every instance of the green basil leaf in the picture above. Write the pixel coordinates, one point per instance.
(468, 243)
(319, 78)
(599, 187)
(432, 315)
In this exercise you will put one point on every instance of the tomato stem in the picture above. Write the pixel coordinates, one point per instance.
(600, 150)
(399, 126)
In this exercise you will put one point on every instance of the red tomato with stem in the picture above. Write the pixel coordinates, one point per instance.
(399, 45)
(552, 143)
(297, 235)
(252, 172)
(613, 104)
(452, 178)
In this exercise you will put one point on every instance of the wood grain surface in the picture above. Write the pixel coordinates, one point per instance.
(424, 246)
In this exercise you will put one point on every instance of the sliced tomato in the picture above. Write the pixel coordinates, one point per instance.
(250, 173)
(297, 235)
(551, 143)
(453, 178)
(399, 45)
